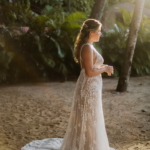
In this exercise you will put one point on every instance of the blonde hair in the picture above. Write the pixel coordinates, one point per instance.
(83, 36)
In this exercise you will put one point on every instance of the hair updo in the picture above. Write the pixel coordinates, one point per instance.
(83, 36)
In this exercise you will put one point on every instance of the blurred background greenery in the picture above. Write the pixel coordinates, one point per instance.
(37, 39)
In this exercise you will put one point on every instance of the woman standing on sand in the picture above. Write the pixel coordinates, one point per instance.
(86, 128)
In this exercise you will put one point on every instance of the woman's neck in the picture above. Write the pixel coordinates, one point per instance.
(90, 42)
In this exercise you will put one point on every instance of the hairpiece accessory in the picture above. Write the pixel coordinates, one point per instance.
(86, 26)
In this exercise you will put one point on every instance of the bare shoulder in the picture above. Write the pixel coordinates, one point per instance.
(86, 50)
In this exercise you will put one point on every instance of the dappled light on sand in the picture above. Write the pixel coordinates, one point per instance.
(38, 111)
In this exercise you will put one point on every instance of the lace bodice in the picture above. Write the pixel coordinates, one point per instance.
(99, 59)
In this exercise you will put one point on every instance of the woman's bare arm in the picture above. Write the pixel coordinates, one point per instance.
(87, 56)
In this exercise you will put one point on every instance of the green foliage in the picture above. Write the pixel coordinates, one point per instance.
(127, 17)
(44, 51)
(75, 5)
(110, 2)
(47, 10)
(5, 59)
(113, 45)
(83, 5)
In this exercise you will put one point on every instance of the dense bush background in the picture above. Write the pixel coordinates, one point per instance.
(39, 47)
(113, 45)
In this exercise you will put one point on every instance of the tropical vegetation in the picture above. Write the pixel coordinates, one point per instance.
(113, 45)
(38, 44)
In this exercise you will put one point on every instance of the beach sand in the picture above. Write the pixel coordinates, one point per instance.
(41, 110)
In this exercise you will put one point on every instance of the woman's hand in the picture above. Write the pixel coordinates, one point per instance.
(103, 65)
(109, 69)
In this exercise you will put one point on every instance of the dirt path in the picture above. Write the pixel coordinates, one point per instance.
(37, 111)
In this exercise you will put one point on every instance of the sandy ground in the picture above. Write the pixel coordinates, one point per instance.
(37, 111)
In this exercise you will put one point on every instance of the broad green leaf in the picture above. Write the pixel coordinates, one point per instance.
(48, 60)
(60, 53)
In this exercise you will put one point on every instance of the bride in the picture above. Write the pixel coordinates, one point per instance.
(86, 128)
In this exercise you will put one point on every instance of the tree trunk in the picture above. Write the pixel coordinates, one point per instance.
(69, 5)
(59, 3)
(97, 9)
(131, 42)
(13, 2)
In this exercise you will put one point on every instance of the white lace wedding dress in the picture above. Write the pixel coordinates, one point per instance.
(86, 127)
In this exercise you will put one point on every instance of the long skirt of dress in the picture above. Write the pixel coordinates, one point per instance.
(86, 127)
